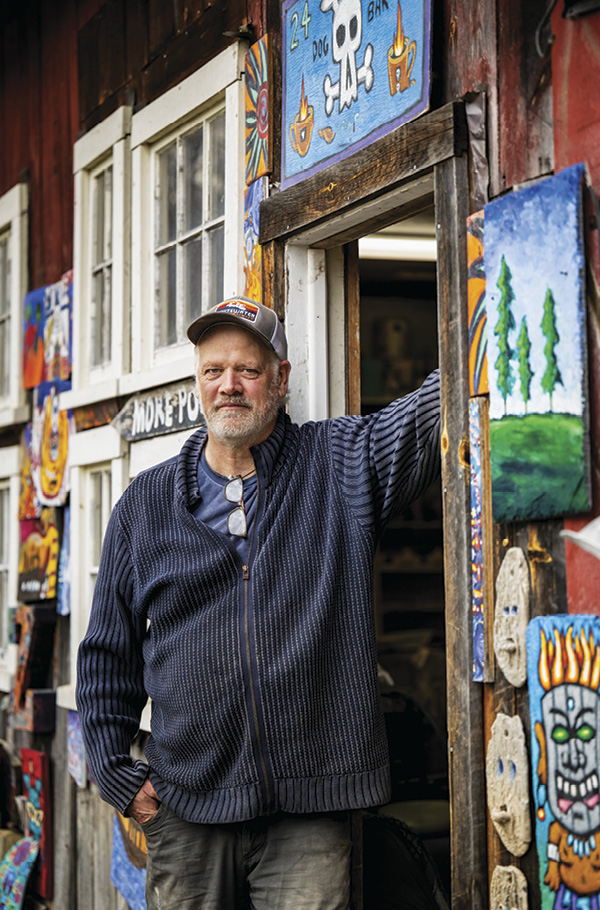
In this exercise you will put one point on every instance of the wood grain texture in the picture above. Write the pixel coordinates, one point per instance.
(407, 152)
(465, 714)
(352, 295)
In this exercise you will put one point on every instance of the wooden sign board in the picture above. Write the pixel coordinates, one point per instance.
(353, 70)
(160, 411)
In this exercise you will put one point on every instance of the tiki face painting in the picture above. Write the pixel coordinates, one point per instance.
(564, 678)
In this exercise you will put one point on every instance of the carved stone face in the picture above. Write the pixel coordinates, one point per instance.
(511, 616)
(508, 890)
(507, 775)
(571, 720)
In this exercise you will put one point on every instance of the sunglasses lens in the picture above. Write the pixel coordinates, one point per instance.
(236, 523)
(234, 489)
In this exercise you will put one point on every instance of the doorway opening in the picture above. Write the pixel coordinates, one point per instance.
(399, 348)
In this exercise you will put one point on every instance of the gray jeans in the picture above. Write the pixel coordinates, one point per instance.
(283, 862)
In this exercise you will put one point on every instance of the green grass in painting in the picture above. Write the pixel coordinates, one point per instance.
(538, 466)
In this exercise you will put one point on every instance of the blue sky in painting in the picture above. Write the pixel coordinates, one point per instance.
(539, 231)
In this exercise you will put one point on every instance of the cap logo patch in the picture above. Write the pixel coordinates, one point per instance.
(239, 308)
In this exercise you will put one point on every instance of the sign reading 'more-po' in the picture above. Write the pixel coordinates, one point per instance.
(159, 411)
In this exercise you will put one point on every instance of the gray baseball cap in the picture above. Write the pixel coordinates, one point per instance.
(248, 314)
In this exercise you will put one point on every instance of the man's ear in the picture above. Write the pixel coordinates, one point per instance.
(284, 377)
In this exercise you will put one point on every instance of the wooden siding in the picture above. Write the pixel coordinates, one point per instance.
(132, 51)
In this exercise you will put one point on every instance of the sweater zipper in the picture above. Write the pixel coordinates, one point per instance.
(258, 739)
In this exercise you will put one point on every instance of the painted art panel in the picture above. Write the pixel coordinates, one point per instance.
(58, 334)
(537, 350)
(128, 861)
(478, 369)
(477, 590)
(63, 602)
(29, 505)
(38, 557)
(259, 103)
(33, 338)
(35, 771)
(75, 750)
(353, 70)
(564, 678)
(253, 197)
(15, 869)
(51, 428)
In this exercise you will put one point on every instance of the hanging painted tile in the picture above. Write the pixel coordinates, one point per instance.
(128, 861)
(477, 590)
(35, 771)
(537, 351)
(51, 428)
(259, 94)
(253, 197)
(352, 73)
(478, 369)
(564, 702)
(29, 505)
(47, 332)
(15, 869)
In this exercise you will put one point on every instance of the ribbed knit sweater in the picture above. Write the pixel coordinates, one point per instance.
(263, 678)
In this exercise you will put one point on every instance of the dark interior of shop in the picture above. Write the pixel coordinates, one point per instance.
(398, 337)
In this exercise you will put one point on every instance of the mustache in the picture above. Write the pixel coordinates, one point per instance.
(232, 399)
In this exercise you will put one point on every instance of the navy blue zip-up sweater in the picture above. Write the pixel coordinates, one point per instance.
(263, 678)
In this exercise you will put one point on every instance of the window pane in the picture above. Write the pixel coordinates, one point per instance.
(101, 316)
(167, 195)
(193, 279)
(4, 277)
(216, 206)
(216, 239)
(4, 356)
(192, 168)
(166, 301)
(107, 235)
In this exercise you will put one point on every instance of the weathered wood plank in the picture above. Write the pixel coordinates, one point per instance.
(64, 818)
(106, 896)
(274, 277)
(86, 821)
(405, 153)
(465, 714)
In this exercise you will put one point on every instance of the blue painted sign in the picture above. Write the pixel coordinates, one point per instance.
(353, 70)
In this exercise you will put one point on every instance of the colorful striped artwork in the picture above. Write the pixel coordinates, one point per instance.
(15, 869)
(35, 771)
(254, 195)
(478, 371)
(259, 148)
(476, 541)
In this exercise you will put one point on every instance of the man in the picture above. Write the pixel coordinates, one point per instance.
(235, 590)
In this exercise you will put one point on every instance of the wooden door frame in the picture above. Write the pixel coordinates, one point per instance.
(400, 174)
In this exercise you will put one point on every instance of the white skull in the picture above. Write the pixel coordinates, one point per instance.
(346, 39)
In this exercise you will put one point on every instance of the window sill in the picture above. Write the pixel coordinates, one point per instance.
(10, 416)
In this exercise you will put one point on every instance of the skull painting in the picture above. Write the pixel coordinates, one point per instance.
(507, 776)
(345, 43)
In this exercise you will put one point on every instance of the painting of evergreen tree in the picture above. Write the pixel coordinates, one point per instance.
(537, 351)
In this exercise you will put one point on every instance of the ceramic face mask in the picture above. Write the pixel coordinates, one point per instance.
(508, 890)
(507, 775)
(511, 616)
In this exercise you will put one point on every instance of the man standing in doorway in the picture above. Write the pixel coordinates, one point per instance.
(235, 590)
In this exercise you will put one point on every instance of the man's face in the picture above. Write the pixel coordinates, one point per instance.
(240, 385)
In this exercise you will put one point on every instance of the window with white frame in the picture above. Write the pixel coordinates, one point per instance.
(187, 151)
(4, 562)
(4, 313)
(101, 256)
(13, 286)
(189, 227)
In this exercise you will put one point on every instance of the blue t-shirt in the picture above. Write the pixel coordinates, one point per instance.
(214, 508)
